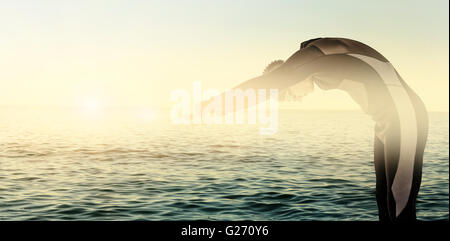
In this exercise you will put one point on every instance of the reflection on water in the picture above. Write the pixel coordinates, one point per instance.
(317, 167)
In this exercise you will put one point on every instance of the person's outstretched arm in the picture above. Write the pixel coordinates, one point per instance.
(296, 69)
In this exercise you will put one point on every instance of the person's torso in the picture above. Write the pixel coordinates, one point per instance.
(376, 87)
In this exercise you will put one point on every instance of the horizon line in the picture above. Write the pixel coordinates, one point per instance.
(125, 107)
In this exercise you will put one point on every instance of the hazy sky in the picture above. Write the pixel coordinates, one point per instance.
(136, 52)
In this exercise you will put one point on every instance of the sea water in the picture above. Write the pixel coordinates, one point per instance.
(318, 166)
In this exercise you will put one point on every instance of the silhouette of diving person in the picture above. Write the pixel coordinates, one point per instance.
(401, 121)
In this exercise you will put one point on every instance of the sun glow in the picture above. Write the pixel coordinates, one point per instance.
(148, 115)
(92, 107)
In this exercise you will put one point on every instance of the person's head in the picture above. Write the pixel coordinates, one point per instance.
(273, 65)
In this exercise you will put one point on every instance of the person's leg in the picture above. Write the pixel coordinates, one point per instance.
(392, 148)
(381, 185)
(391, 156)
(409, 212)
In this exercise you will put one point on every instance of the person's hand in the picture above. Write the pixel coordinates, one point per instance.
(298, 91)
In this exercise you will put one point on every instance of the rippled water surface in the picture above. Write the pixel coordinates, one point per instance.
(317, 167)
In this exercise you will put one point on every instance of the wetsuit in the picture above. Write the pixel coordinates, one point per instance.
(401, 127)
